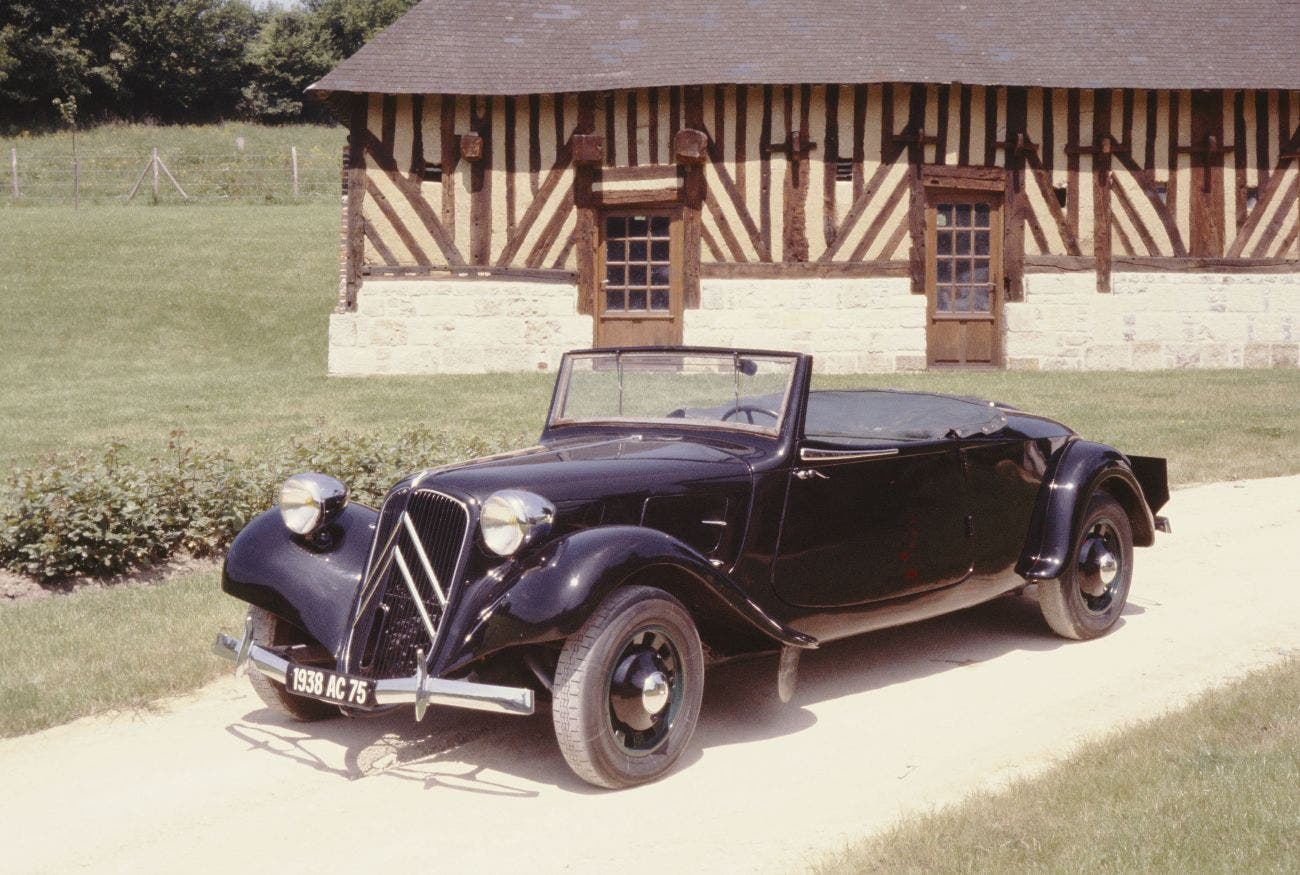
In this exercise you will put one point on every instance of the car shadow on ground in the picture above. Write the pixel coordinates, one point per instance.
(480, 753)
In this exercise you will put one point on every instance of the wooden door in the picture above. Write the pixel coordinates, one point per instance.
(640, 264)
(963, 279)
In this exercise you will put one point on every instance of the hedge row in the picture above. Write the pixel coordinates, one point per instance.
(85, 516)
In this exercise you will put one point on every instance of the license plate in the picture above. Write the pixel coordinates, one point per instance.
(328, 686)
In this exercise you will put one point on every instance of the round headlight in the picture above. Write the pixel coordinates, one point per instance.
(309, 501)
(512, 519)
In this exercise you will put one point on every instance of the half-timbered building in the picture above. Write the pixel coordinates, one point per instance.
(889, 186)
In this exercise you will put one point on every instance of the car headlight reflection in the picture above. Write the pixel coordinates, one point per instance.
(512, 519)
(309, 501)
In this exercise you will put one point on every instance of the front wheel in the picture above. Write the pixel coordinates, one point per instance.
(1088, 597)
(627, 689)
(270, 630)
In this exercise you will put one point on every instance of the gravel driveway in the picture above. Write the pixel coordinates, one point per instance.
(882, 725)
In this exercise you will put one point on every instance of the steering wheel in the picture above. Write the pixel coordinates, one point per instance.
(749, 410)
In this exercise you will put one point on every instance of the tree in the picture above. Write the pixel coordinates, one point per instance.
(175, 60)
(184, 59)
(288, 55)
(348, 24)
(297, 47)
(50, 50)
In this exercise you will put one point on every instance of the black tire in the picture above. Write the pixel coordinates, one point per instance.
(639, 651)
(1087, 599)
(270, 631)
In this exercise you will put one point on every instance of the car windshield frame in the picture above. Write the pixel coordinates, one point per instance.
(745, 364)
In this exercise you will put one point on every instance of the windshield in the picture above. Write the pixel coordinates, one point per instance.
(731, 390)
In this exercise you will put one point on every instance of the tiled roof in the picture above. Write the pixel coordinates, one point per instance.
(500, 47)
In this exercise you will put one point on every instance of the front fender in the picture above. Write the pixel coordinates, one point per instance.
(552, 597)
(1082, 468)
(311, 587)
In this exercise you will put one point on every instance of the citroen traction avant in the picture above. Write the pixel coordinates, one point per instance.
(680, 502)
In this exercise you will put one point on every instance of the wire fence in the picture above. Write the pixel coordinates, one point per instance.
(171, 176)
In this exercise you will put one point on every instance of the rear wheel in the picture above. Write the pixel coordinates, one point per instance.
(1089, 596)
(270, 631)
(627, 689)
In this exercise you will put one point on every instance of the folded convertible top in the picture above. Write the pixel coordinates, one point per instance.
(887, 414)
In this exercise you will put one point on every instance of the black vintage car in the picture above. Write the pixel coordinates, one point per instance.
(680, 502)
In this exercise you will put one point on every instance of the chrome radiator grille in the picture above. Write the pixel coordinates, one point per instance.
(416, 575)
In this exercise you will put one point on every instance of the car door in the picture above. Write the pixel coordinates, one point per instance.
(866, 525)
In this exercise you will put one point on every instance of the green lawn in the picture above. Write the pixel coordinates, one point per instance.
(1212, 788)
(123, 324)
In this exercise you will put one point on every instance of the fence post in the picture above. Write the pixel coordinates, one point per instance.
(13, 171)
(293, 159)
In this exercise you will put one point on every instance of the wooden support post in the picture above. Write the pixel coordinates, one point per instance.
(13, 172)
(354, 253)
(153, 164)
(1103, 147)
(1016, 147)
(1206, 151)
(158, 162)
(293, 161)
(914, 140)
(587, 233)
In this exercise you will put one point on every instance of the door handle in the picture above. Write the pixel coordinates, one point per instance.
(809, 474)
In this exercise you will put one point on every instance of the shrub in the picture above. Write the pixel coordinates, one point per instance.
(74, 515)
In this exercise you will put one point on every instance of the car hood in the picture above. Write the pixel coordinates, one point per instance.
(594, 469)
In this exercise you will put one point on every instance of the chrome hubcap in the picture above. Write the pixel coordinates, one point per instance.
(645, 690)
(1107, 567)
(654, 692)
(1099, 566)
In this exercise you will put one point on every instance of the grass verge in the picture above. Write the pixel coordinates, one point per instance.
(1212, 788)
(99, 649)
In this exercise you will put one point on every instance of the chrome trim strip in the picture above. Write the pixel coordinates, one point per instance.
(424, 557)
(398, 691)
(458, 694)
(812, 454)
(415, 595)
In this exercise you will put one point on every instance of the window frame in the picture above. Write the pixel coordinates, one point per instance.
(676, 265)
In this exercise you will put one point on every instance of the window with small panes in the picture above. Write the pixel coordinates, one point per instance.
(638, 264)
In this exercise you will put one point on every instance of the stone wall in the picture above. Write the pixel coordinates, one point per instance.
(849, 325)
(1149, 321)
(1155, 320)
(457, 326)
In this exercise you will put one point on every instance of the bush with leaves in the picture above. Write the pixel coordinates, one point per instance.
(79, 516)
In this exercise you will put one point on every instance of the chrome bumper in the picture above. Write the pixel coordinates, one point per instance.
(419, 690)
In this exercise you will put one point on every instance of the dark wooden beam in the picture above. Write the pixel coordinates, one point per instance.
(805, 270)
(1015, 148)
(354, 245)
(1141, 264)
(1101, 183)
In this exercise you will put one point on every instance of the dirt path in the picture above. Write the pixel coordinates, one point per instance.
(882, 725)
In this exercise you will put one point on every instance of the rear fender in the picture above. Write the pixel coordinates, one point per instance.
(1082, 469)
(551, 598)
(313, 587)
